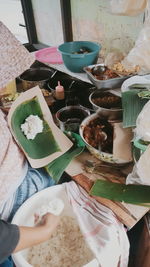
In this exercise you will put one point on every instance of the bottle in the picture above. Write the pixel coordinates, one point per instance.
(59, 92)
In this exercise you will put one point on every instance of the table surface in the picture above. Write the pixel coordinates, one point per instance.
(80, 172)
(126, 213)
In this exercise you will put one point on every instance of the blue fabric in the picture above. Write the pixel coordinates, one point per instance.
(34, 181)
(7, 263)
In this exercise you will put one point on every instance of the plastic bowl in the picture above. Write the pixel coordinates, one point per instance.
(75, 61)
(25, 216)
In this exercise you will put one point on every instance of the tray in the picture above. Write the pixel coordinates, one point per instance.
(113, 83)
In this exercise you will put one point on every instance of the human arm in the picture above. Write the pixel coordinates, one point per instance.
(30, 236)
(14, 238)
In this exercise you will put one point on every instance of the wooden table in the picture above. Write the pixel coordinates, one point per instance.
(85, 176)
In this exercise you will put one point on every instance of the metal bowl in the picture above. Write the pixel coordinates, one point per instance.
(103, 156)
(111, 111)
(70, 117)
(35, 76)
(105, 84)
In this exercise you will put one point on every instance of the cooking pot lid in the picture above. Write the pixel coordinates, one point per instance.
(49, 55)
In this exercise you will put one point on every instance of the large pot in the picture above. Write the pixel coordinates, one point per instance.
(35, 76)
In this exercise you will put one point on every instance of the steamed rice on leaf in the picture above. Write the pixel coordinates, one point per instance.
(32, 126)
(44, 143)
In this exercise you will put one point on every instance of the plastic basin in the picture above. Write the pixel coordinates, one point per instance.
(75, 61)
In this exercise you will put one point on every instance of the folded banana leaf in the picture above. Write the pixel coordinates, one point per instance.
(44, 144)
(133, 194)
(56, 168)
(132, 105)
(144, 94)
(139, 86)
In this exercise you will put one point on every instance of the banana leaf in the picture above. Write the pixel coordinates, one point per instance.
(56, 168)
(139, 86)
(144, 94)
(44, 144)
(132, 105)
(133, 194)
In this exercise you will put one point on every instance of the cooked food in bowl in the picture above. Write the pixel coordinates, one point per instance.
(106, 100)
(66, 247)
(107, 104)
(99, 134)
(103, 77)
(102, 73)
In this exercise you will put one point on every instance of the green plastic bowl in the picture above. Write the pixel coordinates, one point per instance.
(76, 62)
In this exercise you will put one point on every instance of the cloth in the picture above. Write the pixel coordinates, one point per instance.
(105, 235)
(7, 232)
(7, 263)
(34, 181)
(14, 57)
(12, 162)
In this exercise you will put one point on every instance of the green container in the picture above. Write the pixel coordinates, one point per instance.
(75, 61)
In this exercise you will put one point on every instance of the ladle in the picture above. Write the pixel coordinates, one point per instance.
(98, 69)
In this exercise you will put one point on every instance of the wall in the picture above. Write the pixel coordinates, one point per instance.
(47, 15)
(93, 21)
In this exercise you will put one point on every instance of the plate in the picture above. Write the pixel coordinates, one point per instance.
(49, 55)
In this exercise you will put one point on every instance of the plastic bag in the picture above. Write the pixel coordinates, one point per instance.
(140, 53)
(141, 170)
(128, 7)
(142, 130)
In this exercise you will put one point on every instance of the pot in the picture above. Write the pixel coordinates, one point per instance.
(35, 76)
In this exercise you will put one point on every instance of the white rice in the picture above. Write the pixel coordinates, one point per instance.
(32, 126)
(65, 248)
(55, 206)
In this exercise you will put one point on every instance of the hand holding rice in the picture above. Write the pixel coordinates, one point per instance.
(32, 126)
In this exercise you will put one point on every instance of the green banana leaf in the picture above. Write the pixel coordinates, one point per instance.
(144, 94)
(132, 105)
(133, 194)
(44, 144)
(56, 168)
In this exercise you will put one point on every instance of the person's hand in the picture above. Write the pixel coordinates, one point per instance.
(48, 221)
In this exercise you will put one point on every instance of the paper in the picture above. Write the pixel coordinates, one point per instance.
(62, 140)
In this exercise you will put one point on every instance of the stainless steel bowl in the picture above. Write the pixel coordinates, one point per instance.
(35, 76)
(103, 156)
(105, 84)
(70, 117)
(111, 113)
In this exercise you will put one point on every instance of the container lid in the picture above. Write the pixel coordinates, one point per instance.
(49, 55)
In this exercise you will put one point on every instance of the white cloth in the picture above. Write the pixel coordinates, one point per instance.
(103, 232)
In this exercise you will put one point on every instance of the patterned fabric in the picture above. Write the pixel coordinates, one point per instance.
(12, 162)
(103, 232)
(34, 181)
(14, 57)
